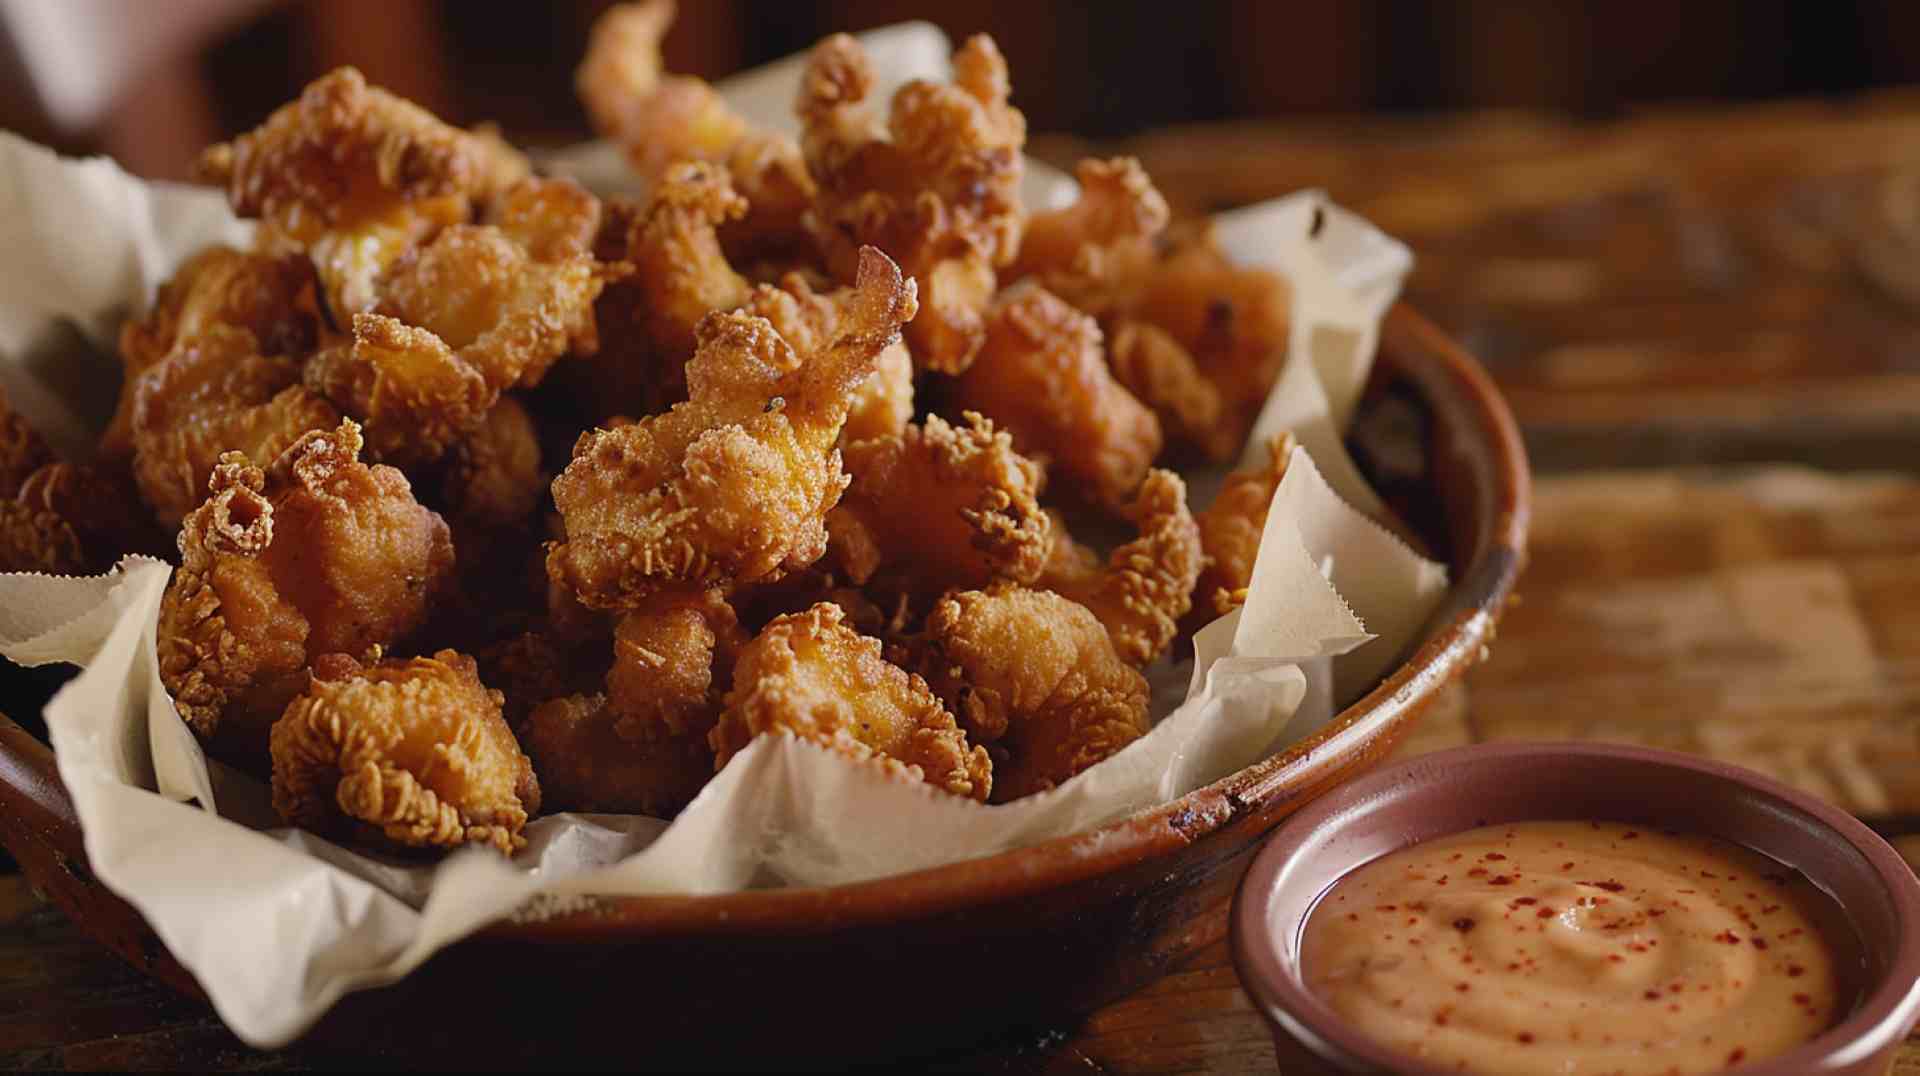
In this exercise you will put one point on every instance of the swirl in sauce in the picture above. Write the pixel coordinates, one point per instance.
(1579, 947)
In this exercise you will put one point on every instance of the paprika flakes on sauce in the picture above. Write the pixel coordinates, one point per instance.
(1595, 943)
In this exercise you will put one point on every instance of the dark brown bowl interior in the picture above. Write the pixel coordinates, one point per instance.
(1436, 795)
(909, 962)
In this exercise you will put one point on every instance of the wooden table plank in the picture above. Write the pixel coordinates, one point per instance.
(1726, 285)
(1762, 617)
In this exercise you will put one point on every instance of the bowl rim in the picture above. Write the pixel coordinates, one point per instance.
(1260, 791)
(1882, 1018)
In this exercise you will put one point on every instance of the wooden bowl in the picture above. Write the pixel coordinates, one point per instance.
(917, 961)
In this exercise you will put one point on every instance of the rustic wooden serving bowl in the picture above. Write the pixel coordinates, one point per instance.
(917, 961)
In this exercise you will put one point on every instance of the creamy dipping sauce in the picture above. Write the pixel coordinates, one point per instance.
(1579, 947)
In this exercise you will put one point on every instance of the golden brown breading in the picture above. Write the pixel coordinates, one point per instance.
(585, 764)
(673, 659)
(1035, 676)
(270, 296)
(1151, 364)
(1231, 527)
(565, 649)
(623, 65)
(413, 395)
(534, 666)
(100, 505)
(36, 540)
(642, 746)
(232, 648)
(373, 558)
(414, 748)
(475, 312)
(938, 507)
(1097, 252)
(62, 517)
(22, 449)
(502, 311)
(318, 554)
(807, 318)
(661, 119)
(883, 404)
(493, 476)
(215, 393)
(1234, 322)
(502, 166)
(355, 177)
(1146, 585)
(810, 675)
(682, 275)
(1042, 376)
(734, 484)
(939, 189)
(554, 218)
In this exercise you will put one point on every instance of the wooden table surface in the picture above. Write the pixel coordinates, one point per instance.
(1708, 323)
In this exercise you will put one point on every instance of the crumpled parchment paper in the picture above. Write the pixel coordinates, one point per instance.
(277, 924)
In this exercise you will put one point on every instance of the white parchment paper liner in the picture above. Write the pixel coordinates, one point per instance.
(278, 924)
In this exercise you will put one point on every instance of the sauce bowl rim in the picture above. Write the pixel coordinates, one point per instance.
(1884, 1015)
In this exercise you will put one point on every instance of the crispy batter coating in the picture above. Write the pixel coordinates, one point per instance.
(810, 675)
(231, 646)
(938, 189)
(661, 119)
(1231, 527)
(502, 166)
(62, 517)
(270, 296)
(475, 312)
(1035, 676)
(343, 149)
(623, 65)
(533, 667)
(642, 745)
(1146, 585)
(493, 476)
(319, 554)
(564, 650)
(1232, 320)
(415, 749)
(735, 483)
(374, 557)
(36, 540)
(505, 313)
(215, 393)
(673, 658)
(1096, 253)
(938, 507)
(99, 505)
(1161, 374)
(355, 176)
(807, 318)
(554, 218)
(883, 404)
(22, 449)
(1041, 374)
(585, 763)
(415, 397)
(682, 274)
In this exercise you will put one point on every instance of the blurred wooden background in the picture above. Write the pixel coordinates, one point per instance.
(200, 69)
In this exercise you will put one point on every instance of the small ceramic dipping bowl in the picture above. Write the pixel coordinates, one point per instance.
(1452, 791)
